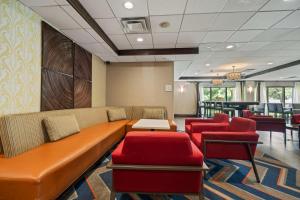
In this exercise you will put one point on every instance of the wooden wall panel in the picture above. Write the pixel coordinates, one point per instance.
(57, 51)
(66, 72)
(57, 91)
(82, 63)
(82, 93)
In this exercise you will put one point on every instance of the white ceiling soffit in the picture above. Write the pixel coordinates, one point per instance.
(262, 33)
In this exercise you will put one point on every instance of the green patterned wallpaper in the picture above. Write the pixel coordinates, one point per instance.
(20, 58)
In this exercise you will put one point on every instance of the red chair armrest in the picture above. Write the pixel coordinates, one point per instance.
(232, 136)
(201, 127)
(188, 121)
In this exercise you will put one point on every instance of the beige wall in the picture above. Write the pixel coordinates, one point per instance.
(140, 84)
(20, 61)
(99, 82)
(20, 58)
(185, 99)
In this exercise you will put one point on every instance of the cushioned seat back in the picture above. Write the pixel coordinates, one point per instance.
(137, 111)
(157, 148)
(242, 124)
(22, 132)
(221, 117)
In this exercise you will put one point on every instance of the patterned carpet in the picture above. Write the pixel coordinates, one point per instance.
(228, 179)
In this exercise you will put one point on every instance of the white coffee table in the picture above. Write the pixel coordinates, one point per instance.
(153, 124)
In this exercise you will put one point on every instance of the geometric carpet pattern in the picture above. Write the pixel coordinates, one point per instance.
(227, 179)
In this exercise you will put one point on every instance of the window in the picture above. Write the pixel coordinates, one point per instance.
(282, 95)
(218, 94)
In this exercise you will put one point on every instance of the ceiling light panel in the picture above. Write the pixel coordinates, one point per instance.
(57, 16)
(95, 35)
(110, 26)
(204, 6)
(166, 7)
(217, 36)
(281, 5)
(74, 14)
(121, 41)
(271, 35)
(173, 20)
(264, 20)
(190, 37)
(243, 5)
(198, 22)
(97, 8)
(147, 39)
(230, 21)
(81, 36)
(39, 2)
(244, 36)
(165, 38)
(291, 21)
(139, 9)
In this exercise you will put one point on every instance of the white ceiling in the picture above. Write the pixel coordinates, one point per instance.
(261, 31)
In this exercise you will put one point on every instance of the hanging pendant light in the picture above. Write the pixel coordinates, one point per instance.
(217, 81)
(233, 76)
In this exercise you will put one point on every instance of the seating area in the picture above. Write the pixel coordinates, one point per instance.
(149, 99)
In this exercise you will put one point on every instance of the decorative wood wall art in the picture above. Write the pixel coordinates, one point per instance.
(57, 91)
(66, 72)
(82, 63)
(82, 91)
(57, 51)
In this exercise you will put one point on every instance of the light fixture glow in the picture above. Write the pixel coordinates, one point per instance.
(250, 89)
(196, 73)
(229, 46)
(217, 81)
(181, 89)
(128, 5)
(270, 63)
(234, 75)
(140, 39)
(207, 64)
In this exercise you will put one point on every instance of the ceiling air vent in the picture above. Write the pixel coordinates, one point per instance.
(136, 25)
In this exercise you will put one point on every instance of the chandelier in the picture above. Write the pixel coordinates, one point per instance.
(217, 81)
(233, 75)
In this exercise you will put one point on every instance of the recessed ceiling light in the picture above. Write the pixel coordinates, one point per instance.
(196, 73)
(270, 63)
(128, 5)
(229, 46)
(164, 24)
(207, 64)
(140, 39)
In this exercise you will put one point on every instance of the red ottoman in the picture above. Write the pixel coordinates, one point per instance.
(157, 162)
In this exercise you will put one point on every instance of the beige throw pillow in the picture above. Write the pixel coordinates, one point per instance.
(116, 114)
(153, 113)
(59, 127)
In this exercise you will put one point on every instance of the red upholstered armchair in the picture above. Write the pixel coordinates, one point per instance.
(238, 142)
(157, 162)
(250, 115)
(218, 118)
(296, 119)
(268, 123)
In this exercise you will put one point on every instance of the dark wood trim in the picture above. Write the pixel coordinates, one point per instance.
(89, 19)
(127, 52)
(185, 115)
(284, 66)
(170, 51)
(201, 77)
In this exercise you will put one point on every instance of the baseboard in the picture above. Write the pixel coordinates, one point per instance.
(184, 115)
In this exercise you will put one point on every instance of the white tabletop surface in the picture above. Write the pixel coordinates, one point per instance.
(152, 124)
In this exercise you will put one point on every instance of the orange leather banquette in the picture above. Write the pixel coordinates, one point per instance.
(45, 171)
